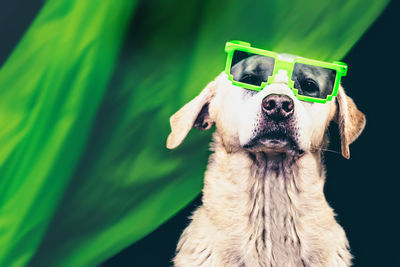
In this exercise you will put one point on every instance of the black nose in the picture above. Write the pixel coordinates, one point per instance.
(277, 107)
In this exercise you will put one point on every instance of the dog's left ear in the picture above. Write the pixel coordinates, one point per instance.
(193, 114)
(351, 121)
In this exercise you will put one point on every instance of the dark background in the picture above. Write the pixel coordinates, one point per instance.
(363, 190)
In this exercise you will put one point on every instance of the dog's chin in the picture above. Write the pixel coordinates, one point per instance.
(271, 144)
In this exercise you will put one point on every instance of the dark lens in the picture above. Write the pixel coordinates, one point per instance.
(309, 87)
(251, 68)
(313, 81)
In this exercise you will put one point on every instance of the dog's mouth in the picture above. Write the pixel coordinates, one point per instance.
(274, 141)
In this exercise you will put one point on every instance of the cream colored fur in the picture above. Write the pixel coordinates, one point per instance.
(262, 208)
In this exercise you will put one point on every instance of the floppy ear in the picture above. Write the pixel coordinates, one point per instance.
(351, 121)
(193, 114)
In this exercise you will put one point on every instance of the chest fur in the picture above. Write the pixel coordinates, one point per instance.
(259, 211)
(264, 220)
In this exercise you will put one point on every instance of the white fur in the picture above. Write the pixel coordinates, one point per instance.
(262, 208)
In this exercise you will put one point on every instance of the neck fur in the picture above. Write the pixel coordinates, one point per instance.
(268, 204)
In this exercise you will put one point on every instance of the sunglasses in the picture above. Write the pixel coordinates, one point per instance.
(310, 80)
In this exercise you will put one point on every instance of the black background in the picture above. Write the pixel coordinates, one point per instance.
(363, 190)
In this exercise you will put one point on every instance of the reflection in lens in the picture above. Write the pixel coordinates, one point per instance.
(313, 81)
(251, 68)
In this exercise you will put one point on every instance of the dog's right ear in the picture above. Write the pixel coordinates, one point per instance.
(351, 121)
(193, 114)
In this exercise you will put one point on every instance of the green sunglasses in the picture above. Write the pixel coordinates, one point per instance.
(310, 80)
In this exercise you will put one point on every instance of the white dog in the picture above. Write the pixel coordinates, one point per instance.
(263, 200)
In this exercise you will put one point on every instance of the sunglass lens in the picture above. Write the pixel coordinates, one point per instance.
(251, 68)
(313, 81)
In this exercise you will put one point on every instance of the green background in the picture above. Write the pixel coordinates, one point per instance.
(85, 98)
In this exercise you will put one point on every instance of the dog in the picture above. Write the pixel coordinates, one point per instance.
(263, 202)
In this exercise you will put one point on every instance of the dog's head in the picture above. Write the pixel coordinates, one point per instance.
(272, 120)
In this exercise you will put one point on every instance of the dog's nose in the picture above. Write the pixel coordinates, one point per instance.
(277, 107)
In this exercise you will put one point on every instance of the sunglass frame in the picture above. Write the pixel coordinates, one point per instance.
(232, 46)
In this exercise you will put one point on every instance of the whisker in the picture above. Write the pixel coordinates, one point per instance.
(326, 150)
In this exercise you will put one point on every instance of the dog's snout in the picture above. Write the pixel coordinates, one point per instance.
(277, 107)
